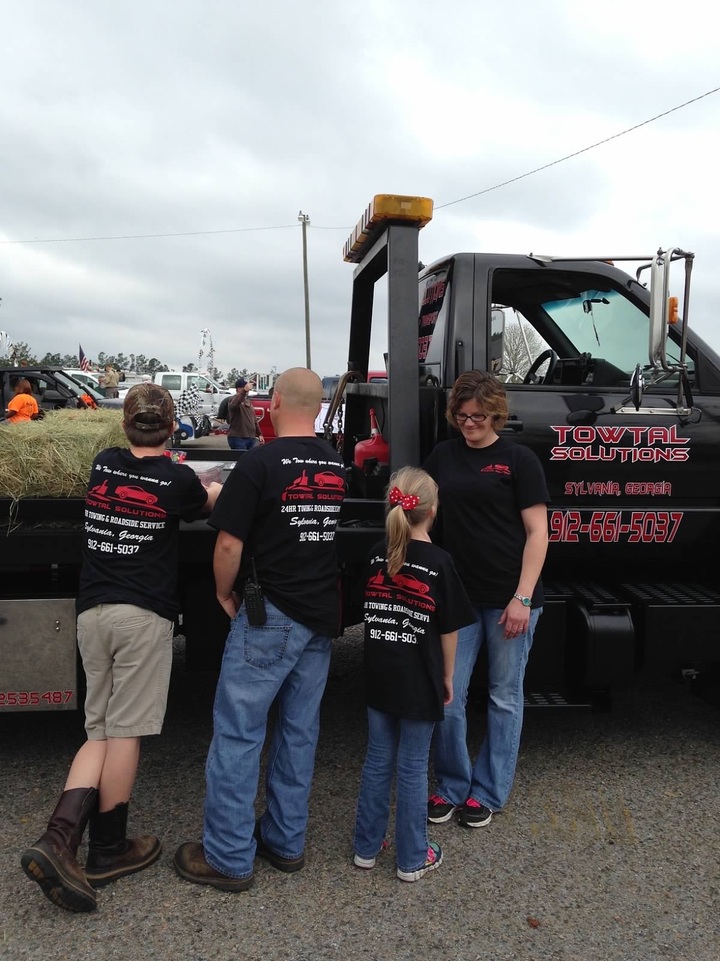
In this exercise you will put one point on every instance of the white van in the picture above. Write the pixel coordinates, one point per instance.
(176, 381)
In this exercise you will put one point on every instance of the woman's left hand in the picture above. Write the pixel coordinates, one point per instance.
(515, 618)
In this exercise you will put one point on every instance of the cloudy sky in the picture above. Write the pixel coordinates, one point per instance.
(211, 123)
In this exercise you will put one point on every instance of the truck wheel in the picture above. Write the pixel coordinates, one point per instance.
(184, 434)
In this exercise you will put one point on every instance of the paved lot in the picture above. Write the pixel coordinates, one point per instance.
(608, 850)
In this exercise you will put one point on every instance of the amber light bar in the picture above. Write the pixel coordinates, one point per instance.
(383, 209)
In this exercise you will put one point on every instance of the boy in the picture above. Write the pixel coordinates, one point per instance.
(126, 608)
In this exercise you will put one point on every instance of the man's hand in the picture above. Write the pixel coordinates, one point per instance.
(230, 604)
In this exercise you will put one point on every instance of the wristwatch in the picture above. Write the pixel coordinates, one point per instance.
(525, 601)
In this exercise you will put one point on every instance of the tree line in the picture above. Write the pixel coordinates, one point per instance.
(21, 354)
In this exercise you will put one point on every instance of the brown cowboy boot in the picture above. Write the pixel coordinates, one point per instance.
(51, 860)
(111, 853)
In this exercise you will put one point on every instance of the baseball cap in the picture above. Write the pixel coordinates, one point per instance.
(148, 407)
(240, 382)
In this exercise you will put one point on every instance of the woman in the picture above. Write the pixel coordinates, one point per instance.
(493, 522)
(23, 405)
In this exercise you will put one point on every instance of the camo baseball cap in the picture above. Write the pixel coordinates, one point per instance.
(148, 407)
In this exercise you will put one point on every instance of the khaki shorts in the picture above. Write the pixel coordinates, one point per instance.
(127, 656)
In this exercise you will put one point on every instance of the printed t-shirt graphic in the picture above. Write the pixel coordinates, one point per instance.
(404, 617)
(283, 501)
(132, 513)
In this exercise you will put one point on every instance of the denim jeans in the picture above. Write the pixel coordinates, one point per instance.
(242, 443)
(283, 661)
(490, 779)
(391, 738)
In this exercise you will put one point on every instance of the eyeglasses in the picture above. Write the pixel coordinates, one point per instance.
(473, 418)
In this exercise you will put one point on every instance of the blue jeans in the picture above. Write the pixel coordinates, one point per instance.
(283, 661)
(490, 779)
(389, 738)
(242, 443)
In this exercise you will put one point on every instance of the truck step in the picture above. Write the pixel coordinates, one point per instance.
(548, 699)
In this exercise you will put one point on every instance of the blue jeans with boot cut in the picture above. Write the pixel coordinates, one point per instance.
(392, 739)
(282, 661)
(490, 779)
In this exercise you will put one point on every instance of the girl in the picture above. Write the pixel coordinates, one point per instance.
(414, 606)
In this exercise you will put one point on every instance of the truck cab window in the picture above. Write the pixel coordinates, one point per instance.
(598, 332)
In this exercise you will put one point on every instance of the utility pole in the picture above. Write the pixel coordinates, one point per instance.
(305, 220)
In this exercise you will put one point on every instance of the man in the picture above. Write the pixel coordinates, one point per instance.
(276, 525)
(110, 381)
(244, 430)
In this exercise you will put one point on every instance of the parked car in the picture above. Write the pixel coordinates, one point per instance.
(52, 387)
(87, 377)
(179, 381)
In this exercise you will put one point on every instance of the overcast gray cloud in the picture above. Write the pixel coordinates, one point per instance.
(156, 118)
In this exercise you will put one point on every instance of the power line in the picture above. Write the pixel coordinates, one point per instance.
(577, 152)
(186, 233)
(450, 203)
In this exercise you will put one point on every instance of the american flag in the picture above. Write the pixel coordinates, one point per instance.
(84, 362)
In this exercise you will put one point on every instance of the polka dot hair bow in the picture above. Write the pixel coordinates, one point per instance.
(406, 501)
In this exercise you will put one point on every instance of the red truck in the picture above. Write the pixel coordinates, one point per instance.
(261, 404)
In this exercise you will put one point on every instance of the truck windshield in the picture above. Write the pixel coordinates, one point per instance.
(604, 323)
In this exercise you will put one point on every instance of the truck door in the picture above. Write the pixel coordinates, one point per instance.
(630, 489)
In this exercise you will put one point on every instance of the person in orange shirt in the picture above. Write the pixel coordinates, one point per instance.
(23, 405)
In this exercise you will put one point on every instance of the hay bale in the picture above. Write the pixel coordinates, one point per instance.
(52, 457)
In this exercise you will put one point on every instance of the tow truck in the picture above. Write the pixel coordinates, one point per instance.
(616, 393)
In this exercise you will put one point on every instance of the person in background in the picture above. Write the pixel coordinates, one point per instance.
(414, 605)
(126, 611)
(22, 405)
(493, 521)
(110, 381)
(244, 429)
(278, 648)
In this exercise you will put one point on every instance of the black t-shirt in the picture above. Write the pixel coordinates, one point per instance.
(132, 512)
(283, 500)
(404, 618)
(482, 491)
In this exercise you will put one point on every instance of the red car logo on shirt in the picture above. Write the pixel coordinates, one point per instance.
(327, 479)
(497, 469)
(136, 494)
(410, 583)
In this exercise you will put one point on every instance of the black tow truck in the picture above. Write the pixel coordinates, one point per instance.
(607, 383)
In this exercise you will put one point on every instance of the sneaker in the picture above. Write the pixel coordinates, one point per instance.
(368, 863)
(432, 861)
(439, 810)
(473, 814)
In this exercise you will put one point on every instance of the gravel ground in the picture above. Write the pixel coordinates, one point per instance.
(609, 848)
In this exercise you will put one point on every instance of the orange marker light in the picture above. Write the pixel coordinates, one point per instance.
(385, 209)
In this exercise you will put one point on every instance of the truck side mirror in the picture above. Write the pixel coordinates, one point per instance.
(497, 337)
(637, 385)
(659, 282)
